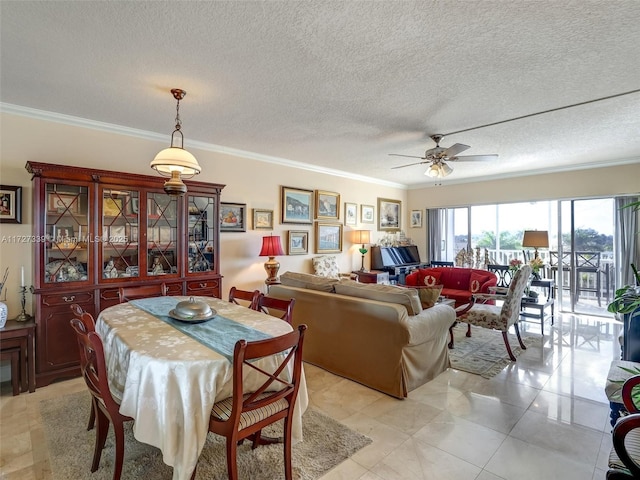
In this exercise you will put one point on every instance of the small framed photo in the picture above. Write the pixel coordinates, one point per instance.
(10, 204)
(328, 237)
(233, 217)
(296, 205)
(416, 218)
(327, 205)
(61, 202)
(262, 219)
(367, 214)
(63, 234)
(298, 242)
(350, 213)
(389, 214)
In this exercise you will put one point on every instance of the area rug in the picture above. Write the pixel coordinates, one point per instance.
(484, 353)
(326, 444)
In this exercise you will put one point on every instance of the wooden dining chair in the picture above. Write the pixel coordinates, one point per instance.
(142, 291)
(271, 306)
(107, 410)
(90, 326)
(244, 415)
(236, 294)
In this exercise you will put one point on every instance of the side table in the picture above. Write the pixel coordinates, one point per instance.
(372, 276)
(541, 304)
(21, 335)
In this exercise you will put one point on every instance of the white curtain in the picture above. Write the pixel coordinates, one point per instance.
(435, 233)
(627, 244)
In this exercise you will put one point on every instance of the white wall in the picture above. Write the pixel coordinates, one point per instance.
(247, 181)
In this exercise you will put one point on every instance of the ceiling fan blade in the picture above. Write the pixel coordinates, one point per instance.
(411, 164)
(453, 150)
(472, 158)
(409, 156)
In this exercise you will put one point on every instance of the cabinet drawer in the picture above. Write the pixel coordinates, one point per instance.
(53, 300)
(209, 288)
(174, 288)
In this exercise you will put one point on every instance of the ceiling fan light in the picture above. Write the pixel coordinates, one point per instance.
(432, 171)
(446, 169)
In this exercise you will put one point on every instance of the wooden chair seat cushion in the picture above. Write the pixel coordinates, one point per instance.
(221, 410)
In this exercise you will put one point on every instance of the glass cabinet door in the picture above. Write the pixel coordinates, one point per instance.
(66, 255)
(162, 234)
(120, 252)
(200, 230)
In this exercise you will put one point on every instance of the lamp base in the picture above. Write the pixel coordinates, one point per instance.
(271, 266)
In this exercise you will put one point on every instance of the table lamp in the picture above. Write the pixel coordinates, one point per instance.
(535, 239)
(363, 237)
(270, 248)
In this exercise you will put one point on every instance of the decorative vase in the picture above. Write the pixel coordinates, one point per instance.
(3, 314)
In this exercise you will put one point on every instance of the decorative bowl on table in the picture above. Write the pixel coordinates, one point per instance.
(192, 311)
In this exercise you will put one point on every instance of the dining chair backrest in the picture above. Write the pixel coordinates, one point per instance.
(554, 259)
(85, 317)
(277, 307)
(587, 261)
(251, 298)
(503, 273)
(142, 291)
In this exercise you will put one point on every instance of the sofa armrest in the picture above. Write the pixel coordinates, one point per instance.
(429, 324)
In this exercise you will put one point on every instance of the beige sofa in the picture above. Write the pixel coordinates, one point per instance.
(375, 343)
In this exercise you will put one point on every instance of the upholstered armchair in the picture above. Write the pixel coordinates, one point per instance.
(497, 317)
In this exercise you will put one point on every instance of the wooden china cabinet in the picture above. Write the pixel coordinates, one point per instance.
(96, 230)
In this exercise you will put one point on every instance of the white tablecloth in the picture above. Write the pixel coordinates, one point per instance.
(168, 382)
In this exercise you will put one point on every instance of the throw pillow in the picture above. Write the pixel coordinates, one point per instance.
(407, 297)
(429, 279)
(326, 266)
(308, 281)
(475, 282)
(428, 295)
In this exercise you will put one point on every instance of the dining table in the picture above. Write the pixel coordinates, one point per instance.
(167, 374)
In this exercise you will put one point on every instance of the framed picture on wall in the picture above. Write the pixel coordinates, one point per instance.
(367, 214)
(10, 204)
(327, 205)
(416, 218)
(328, 237)
(262, 219)
(389, 214)
(298, 242)
(296, 205)
(350, 213)
(233, 217)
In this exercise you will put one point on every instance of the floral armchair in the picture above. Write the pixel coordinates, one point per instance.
(497, 317)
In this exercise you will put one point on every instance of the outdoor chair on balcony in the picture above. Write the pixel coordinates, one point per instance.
(588, 263)
(437, 263)
(555, 265)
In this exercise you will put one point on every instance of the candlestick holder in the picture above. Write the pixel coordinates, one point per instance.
(23, 316)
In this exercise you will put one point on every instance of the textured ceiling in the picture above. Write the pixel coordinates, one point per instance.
(340, 85)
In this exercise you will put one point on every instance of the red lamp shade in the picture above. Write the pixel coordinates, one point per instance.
(271, 246)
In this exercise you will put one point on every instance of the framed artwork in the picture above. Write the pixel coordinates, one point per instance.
(298, 242)
(118, 234)
(233, 217)
(328, 237)
(389, 214)
(111, 207)
(296, 205)
(262, 219)
(416, 218)
(60, 202)
(350, 213)
(367, 214)
(327, 205)
(63, 233)
(10, 204)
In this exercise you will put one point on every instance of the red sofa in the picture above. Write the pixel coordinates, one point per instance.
(458, 283)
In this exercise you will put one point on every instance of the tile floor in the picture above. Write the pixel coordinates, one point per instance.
(543, 417)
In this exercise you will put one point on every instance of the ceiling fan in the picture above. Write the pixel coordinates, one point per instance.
(438, 156)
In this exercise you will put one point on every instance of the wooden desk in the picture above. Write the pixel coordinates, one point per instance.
(168, 380)
(21, 335)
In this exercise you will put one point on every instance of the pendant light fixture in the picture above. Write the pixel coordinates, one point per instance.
(175, 161)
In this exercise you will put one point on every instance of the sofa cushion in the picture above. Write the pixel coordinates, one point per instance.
(475, 281)
(407, 297)
(307, 280)
(428, 295)
(326, 266)
(428, 279)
